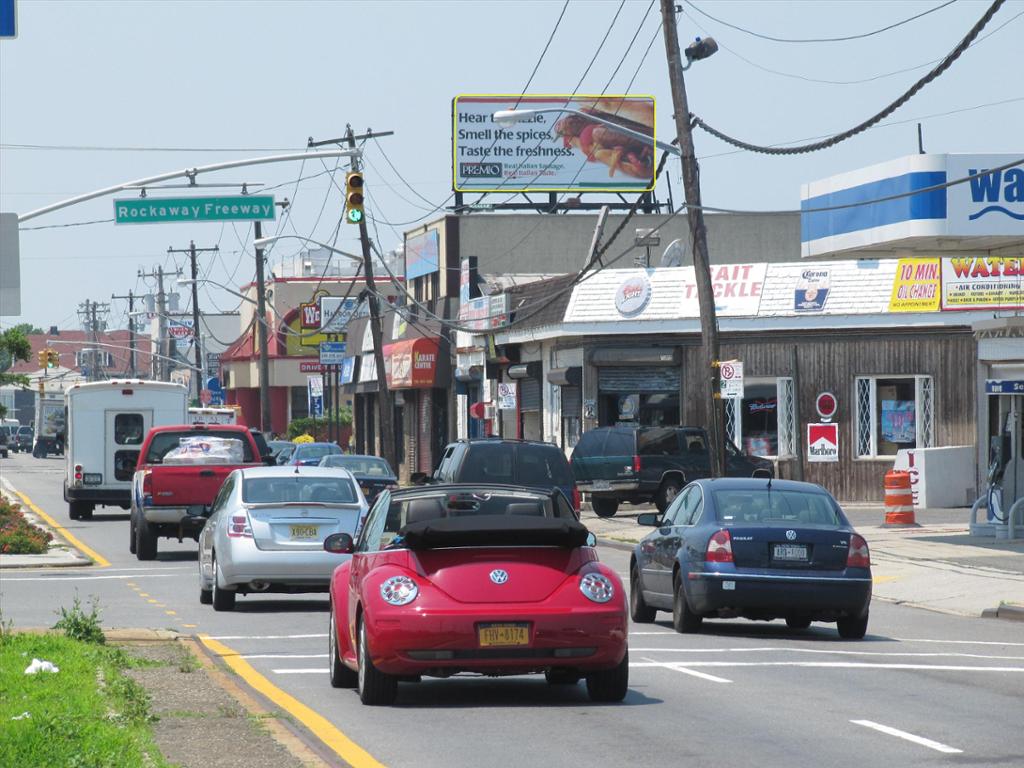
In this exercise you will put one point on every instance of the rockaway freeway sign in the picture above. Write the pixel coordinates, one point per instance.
(163, 210)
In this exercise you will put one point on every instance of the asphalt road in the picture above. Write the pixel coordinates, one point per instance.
(923, 689)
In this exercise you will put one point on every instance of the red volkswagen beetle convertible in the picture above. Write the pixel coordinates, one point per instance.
(490, 579)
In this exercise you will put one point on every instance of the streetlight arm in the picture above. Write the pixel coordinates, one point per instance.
(512, 116)
(264, 241)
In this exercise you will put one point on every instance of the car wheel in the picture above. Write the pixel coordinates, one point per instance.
(375, 688)
(145, 540)
(86, 510)
(131, 535)
(610, 684)
(639, 611)
(683, 618)
(562, 676)
(667, 494)
(341, 676)
(853, 629)
(222, 599)
(205, 595)
(74, 511)
(797, 622)
(604, 507)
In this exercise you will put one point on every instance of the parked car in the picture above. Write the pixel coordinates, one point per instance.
(309, 454)
(760, 549)
(285, 453)
(372, 473)
(490, 579)
(25, 438)
(276, 446)
(180, 471)
(267, 529)
(4, 442)
(508, 462)
(641, 465)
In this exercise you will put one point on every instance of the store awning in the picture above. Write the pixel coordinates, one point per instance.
(413, 363)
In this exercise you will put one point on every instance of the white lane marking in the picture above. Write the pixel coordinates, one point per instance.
(828, 652)
(89, 578)
(685, 671)
(86, 571)
(284, 656)
(265, 637)
(937, 746)
(316, 671)
(834, 665)
(957, 642)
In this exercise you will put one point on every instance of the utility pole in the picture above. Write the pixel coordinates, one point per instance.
(698, 236)
(385, 400)
(197, 374)
(161, 367)
(131, 331)
(87, 311)
(261, 332)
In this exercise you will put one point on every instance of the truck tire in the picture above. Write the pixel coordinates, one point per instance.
(223, 599)
(145, 540)
(131, 534)
(604, 507)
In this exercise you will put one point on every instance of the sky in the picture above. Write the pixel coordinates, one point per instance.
(104, 91)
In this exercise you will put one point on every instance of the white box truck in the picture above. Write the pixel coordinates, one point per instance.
(49, 425)
(106, 424)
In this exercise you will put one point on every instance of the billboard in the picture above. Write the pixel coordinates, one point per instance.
(422, 254)
(983, 282)
(566, 144)
(915, 287)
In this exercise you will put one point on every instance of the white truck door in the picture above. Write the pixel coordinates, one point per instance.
(125, 431)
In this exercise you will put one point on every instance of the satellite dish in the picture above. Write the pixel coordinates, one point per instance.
(674, 254)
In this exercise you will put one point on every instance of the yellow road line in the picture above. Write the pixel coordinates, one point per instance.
(171, 613)
(151, 600)
(884, 579)
(321, 727)
(73, 540)
(143, 594)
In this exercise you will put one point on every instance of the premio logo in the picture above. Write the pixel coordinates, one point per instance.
(480, 170)
(994, 189)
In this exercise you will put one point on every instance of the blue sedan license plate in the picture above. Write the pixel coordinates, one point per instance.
(789, 552)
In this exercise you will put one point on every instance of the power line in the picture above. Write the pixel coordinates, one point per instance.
(629, 48)
(820, 39)
(903, 99)
(547, 45)
(600, 46)
(96, 148)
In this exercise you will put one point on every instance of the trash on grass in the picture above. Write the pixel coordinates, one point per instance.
(38, 665)
(22, 716)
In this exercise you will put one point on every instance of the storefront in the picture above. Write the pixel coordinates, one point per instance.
(637, 386)
(568, 383)
(416, 372)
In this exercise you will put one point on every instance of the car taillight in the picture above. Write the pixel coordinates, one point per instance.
(719, 548)
(239, 527)
(147, 484)
(78, 471)
(637, 466)
(859, 557)
(577, 499)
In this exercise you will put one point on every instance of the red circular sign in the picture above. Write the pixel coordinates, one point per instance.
(826, 405)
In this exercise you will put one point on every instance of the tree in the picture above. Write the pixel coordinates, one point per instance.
(7, 355)
(13, 346)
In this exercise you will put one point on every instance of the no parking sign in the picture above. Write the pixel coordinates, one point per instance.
(731, 379)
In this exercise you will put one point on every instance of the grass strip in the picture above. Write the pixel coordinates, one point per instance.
(87, 715)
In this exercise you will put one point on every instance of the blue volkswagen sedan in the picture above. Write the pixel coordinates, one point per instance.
(752, 548)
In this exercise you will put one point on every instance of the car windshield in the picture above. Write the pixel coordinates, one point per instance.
(401, 511)
(165, 442)
(368, 466)
(298, 489)
(536, 466)
(770, 507)
(315, 451)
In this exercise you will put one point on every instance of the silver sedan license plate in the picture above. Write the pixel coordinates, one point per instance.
(789, 552)
(302, 532)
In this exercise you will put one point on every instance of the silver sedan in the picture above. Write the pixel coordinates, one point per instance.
(267, 528)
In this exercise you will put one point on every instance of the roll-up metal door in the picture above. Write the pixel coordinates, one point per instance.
(529, 394)
(572, 402)
(635, 379)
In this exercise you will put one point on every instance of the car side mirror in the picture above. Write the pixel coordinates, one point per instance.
(339, 544)
(591, 540)
(418, 478)
(652, 519)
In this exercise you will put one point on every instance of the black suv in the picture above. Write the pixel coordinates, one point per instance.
(644, 464)
(507, 462)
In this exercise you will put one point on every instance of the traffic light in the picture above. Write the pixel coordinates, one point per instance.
(52, 358)
(354, 197)
(44, 357)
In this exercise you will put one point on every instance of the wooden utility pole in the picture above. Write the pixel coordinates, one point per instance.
(131, 331)
(261, 333)
(698, 236)
(197, 374)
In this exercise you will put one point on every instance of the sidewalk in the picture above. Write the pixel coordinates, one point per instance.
(937, 566)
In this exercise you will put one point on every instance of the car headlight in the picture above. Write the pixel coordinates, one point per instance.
(597, 587)
(399, 590)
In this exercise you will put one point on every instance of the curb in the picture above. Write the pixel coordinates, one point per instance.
(616, 544)
(1005, 611)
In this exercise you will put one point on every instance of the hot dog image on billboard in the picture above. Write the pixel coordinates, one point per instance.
(522, 143)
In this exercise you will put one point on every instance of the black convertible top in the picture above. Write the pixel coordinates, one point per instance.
(493, 530)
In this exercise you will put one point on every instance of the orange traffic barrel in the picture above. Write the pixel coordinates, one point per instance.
(899, 501)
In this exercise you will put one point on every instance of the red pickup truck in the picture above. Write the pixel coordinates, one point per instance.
(178, 475)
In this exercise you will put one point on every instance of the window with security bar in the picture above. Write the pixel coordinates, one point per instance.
(763, 423)
(893, 413)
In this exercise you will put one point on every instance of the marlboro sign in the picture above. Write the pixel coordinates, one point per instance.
(823, 442)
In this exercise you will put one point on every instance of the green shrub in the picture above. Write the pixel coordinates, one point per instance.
(79, 625)
(318, 427)
(17, 535)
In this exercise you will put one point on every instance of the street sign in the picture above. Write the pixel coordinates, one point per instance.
(1004, 387)
(8, 19)
(507, 396)
(826, 405)
(332, 352)
(335, 312)
(164, 210)
(731, 379)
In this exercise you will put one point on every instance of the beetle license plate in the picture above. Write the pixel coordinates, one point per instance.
(92, 478)
(304, 531)
(789, 552)
(491, 635)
